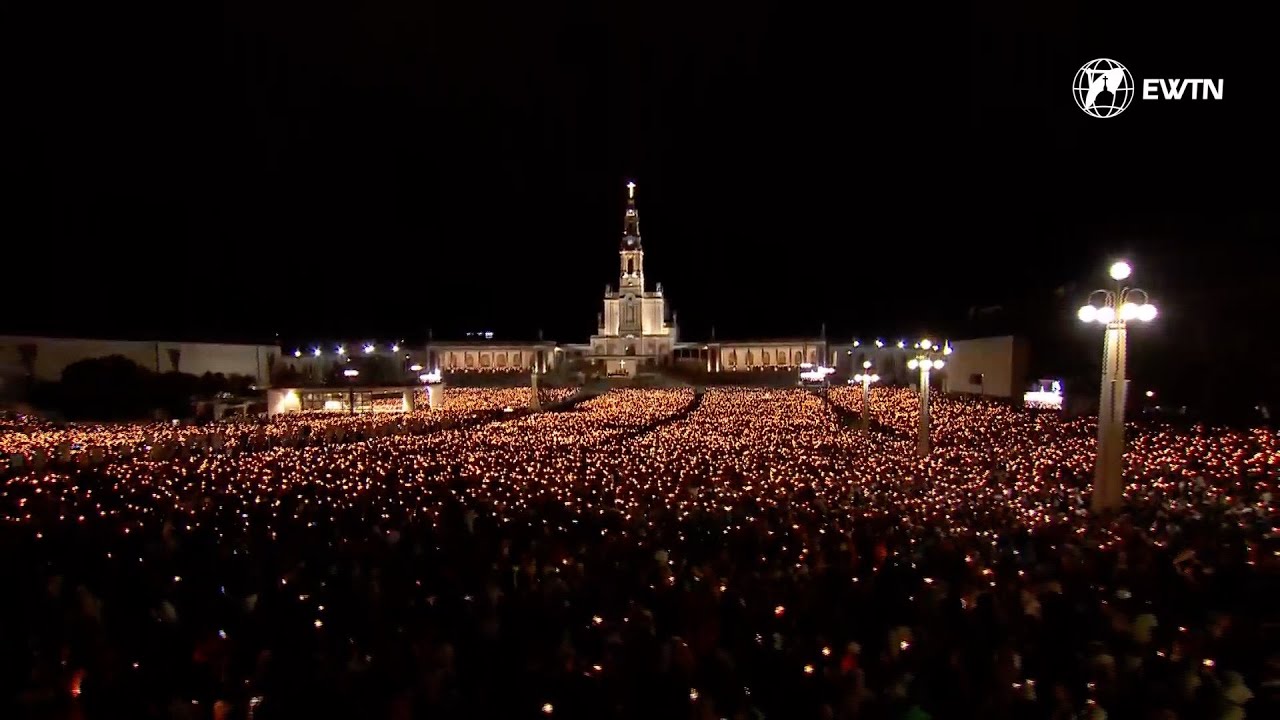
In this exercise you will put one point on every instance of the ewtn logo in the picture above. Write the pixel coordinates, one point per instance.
(1104, 88)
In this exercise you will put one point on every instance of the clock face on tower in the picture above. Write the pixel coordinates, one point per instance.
(631, 242)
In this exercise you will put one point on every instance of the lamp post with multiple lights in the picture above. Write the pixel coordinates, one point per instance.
(866, 377)
(928, 358)
(1117, 307)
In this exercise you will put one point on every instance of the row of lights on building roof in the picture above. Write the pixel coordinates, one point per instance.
(902, 345)
(341, 350)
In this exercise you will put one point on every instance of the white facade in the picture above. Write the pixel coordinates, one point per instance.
(994, 366)
(633, 331)
(45, 358)
(447, 357)
(769, 354)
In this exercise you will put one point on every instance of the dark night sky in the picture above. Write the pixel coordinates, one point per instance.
(377, 168)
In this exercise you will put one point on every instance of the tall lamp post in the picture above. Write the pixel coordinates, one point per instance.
(927, 358)
(866, 377)
(351, 374)
(1117, 307)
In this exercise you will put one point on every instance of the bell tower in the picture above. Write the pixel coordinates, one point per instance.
(631, 253)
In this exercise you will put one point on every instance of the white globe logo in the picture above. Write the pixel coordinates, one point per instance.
(1103, 88)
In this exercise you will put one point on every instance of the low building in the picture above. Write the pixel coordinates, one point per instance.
(44, 358)
(339, 400)
(992, 366)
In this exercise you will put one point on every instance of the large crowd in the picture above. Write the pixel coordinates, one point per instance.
(28, 440)
(738, 553)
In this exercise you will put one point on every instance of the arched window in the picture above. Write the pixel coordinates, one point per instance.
(797, 359)
(631, 266)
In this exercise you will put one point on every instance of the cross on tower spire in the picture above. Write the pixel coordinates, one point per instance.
(631, 221)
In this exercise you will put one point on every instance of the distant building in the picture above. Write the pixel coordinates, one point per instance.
(994, 366)
(633, 331)
(636, 332)
(44, 358)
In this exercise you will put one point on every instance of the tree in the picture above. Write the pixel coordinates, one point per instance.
(286, 376)
(172, 392)
(106, 388)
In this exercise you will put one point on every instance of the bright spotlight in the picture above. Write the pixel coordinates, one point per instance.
(912, 364)
(938, 364)
(866, 363)
(926, 343)
(1146, 312)
(1087, 313)
(1120, 270)
(1129, 311)
(1106, 315)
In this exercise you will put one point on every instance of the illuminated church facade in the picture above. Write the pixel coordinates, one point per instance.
(632, 331)
(635, 332)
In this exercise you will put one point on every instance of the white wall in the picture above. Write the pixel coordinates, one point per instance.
(994, 358)
(652, 316)
(611, 317)
(283, 400)
(54, 354)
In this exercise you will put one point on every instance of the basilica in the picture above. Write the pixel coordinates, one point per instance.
(637, 334)
(633, 331)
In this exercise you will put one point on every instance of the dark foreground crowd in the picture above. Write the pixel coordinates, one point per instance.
(654, 554)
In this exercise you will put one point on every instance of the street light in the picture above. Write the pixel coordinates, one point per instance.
(926, 359)
(866, 378)
(351, 374)
(1117, 307)
(368, 348)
